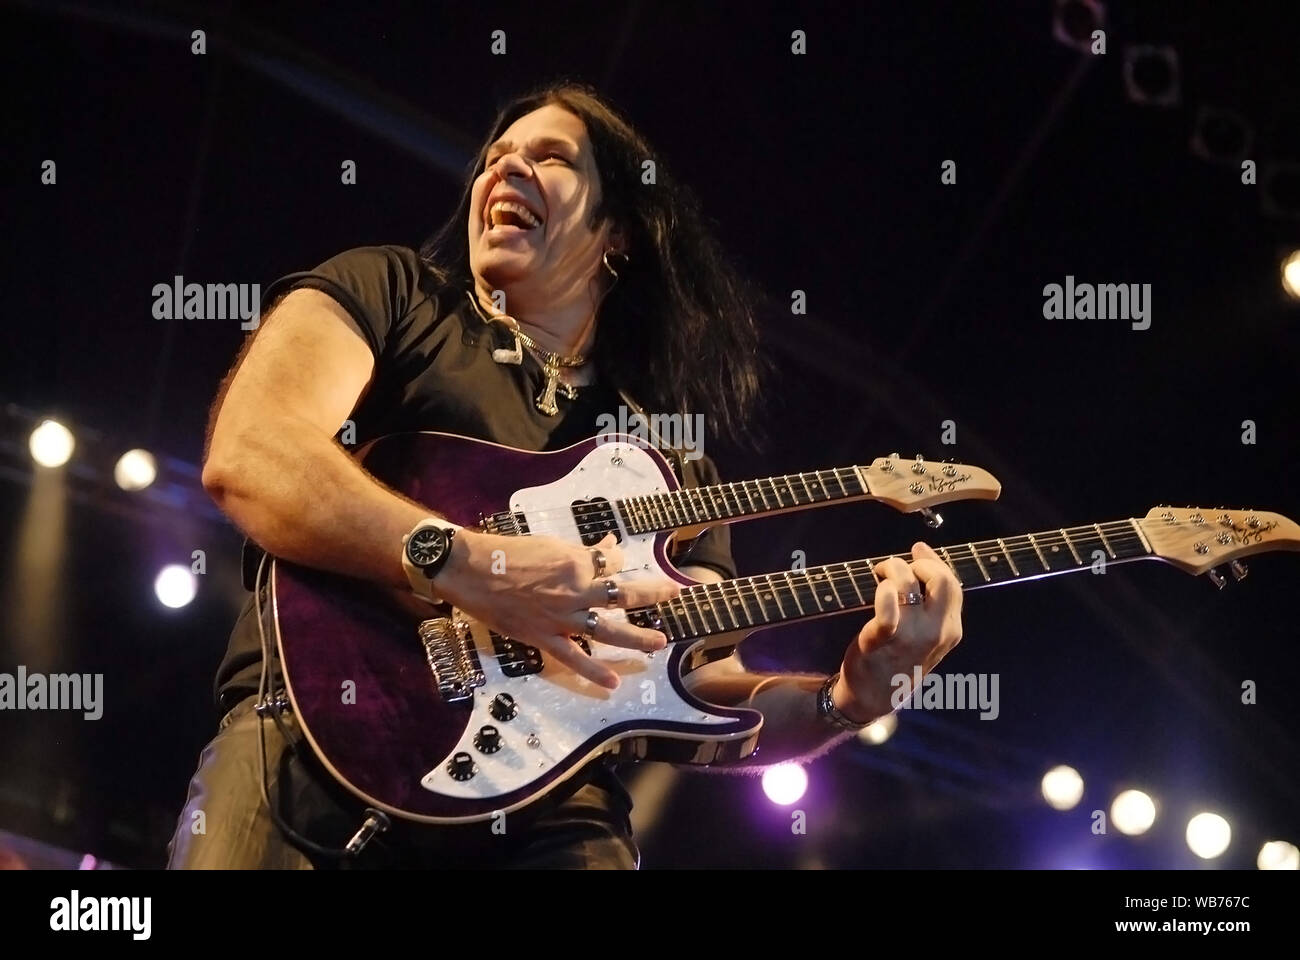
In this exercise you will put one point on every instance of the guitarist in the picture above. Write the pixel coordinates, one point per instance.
(562, 287)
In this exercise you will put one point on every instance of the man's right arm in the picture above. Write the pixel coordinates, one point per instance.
(273, 466)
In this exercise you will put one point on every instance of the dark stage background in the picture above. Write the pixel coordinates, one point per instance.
(823, 174)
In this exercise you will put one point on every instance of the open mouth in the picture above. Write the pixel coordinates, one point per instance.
(509, 213)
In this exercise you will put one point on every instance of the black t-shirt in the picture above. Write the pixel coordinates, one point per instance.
(434, 370)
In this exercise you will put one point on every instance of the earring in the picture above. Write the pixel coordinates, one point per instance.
(605, 260)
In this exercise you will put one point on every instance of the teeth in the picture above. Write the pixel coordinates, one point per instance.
(495, 211)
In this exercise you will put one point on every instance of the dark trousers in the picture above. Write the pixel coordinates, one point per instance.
(225, 823)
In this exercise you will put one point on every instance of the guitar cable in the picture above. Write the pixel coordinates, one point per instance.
(376, 821)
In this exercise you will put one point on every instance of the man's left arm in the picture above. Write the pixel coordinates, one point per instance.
(898, 638)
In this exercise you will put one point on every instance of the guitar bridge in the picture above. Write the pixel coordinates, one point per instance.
(452, 657)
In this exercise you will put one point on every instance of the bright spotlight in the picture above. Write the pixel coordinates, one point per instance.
(878, 731)
(1062, 787)
(51, 444)
(135, 470)
(1291, 275)
(1133, 812)
(1278, 855)
(785, 783)
(1208, 835)
(175, 586)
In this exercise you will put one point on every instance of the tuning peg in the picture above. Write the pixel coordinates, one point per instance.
(932, 519)
(1216, 578)
(1239, 569)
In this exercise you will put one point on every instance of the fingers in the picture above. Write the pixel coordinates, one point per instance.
(940, 581)
(898, 571)
(884, 624)
(632, 593)
(613, 554)
(618, 632)
(572, 656)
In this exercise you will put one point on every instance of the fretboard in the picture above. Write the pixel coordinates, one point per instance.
(725, 501)
(750, 602)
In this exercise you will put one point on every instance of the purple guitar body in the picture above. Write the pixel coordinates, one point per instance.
(434, 719)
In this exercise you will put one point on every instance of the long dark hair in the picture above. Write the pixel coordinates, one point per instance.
(678, 330)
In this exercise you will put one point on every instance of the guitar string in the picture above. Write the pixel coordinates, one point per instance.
(788, 592)
(685, 493)
(699, 595)
(704, 602)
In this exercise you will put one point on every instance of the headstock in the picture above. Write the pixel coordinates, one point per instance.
(919, 485)
(1197, 539)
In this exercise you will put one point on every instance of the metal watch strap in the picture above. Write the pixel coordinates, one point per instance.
(827, 710)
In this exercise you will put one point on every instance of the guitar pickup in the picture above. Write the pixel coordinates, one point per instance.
(516, 659)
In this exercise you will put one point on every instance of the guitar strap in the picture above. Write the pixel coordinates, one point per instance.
(673, 454)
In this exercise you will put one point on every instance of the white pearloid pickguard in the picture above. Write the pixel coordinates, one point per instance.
(558, 710)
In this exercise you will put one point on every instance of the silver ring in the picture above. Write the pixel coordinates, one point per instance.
(598, 561)
(593, 618)
(611, 593)
(910, 599)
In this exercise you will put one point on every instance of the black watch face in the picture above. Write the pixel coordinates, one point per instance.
(426, 547)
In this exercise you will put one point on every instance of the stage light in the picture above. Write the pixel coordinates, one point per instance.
(175, 586)
(1133, 812)
(135, 470)
(51, 444)
(878, 731)
(1278, 855)
(1291, 275)
(1062, 787)
(1279, 189)
(1151, 75)
(785, 783)
(1221, 136)
(1073, 22)
(1208, 834)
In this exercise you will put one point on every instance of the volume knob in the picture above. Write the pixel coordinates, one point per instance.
(503, 707)
(488, 740)
(461, 766)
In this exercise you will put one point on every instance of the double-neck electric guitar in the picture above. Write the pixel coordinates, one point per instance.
(441, 720)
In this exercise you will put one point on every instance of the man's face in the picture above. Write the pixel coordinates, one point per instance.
(546, 252)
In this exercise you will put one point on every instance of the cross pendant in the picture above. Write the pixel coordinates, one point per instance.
(546, 402)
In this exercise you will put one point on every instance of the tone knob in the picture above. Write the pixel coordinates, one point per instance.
(488, 740)
(461, 766)
(503, 707)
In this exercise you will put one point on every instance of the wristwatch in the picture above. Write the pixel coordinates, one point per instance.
(830, 713)
(425, 551)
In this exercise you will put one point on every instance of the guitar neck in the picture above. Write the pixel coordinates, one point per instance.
(747, 603)
(746, 498)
